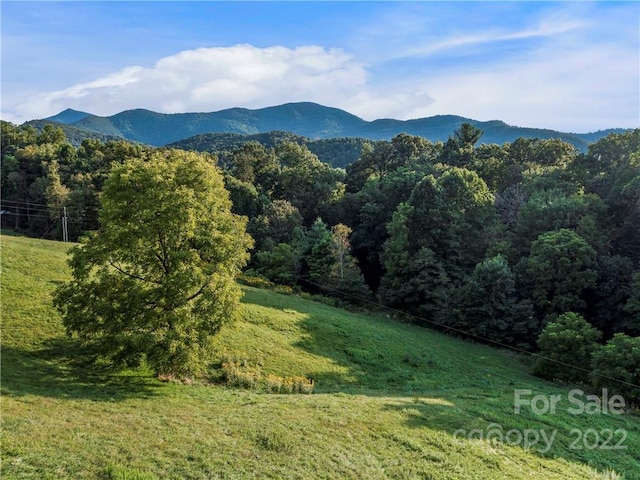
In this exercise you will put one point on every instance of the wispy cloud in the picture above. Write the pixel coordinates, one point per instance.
(546, 29)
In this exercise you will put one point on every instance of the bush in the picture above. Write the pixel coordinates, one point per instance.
(565, 343)
(619, 359)
(240, 372)
(251, 279)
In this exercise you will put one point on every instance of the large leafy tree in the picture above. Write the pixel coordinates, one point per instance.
(562, 267)
(552, 209)
(158, 279)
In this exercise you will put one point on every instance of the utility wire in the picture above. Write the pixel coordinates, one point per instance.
(25, 202)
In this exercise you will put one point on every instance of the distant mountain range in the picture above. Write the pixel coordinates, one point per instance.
(306, 119)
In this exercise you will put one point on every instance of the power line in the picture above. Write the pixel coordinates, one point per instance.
(24, 202)
(49, 228)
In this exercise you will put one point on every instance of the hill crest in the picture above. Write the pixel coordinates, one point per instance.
(305, 118)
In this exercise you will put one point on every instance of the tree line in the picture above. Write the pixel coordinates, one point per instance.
(511, 244)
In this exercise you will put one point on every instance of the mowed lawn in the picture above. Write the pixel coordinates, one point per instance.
(390, 400)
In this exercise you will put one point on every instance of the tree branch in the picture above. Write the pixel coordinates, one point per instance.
(199, 292)
(131, 275)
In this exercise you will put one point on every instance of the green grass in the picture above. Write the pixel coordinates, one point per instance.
(388, 399)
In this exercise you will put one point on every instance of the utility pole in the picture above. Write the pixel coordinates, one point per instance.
(65, 232)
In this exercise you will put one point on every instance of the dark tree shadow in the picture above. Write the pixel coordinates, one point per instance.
(61, 369)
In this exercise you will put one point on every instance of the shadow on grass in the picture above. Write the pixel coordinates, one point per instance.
(376, 356)
(61, 370)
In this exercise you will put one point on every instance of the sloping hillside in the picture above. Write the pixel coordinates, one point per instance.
(74, 135)
(390, 400)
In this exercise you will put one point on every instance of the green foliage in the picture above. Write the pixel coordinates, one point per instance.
(254, 164)
(319, 257)
(632, 307)
(613, 292)
(435, 240)
(303, 180)
(566, 347)
(56, 194)
(369, 212)
(379, 159)
(158, 279)
(506, 197)
(553, 209)
(561, 267)
(619, 361)
(337, 152)
(490, 308)
(460, 147)
(121, 472)
(245, 198)
(282, 219)
(346, 279)
(282, 264)
(543, 152)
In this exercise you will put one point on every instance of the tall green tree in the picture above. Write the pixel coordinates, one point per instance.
(157, 281)
(562, 267)
(552, 209)
(319, 257)
(346, 277)
(435, 240)
(490, 308)
(459, 150)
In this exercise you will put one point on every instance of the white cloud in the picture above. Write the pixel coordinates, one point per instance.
(209, 79)
(559, 88)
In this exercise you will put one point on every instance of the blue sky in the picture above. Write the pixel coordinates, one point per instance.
(573, 66)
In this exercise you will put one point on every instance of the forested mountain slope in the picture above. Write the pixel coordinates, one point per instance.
(307, 119)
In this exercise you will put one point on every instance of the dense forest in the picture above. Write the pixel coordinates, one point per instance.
(529, 244)
(337, 152)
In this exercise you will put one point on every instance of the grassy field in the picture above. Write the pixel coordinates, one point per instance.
(389, 401)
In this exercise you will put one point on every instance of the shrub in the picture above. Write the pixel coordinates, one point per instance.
(619, 359)
(250, 279)
(565, 343)
(274, 441)
(240, 372)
